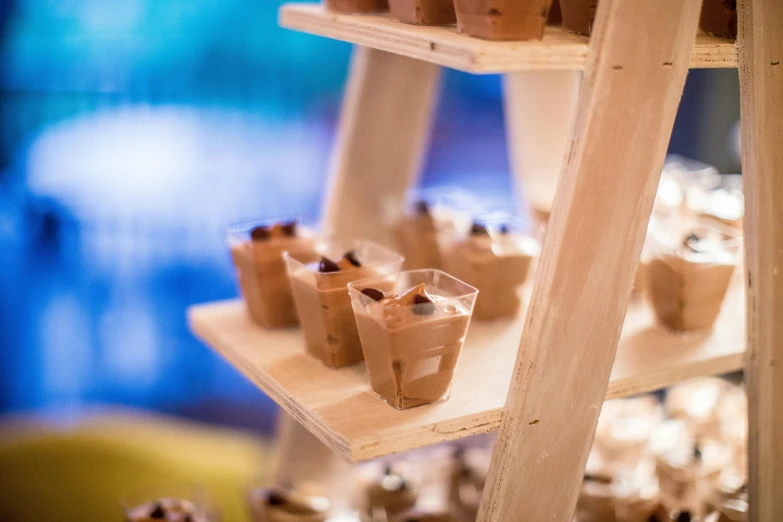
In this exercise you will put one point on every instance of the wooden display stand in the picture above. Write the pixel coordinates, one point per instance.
(568, 362)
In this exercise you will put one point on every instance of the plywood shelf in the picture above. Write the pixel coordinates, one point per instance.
(558, 51)
(339, 408)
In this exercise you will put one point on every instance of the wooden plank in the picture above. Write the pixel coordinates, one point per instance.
(761, 94)
(382, 137)
(633, 82)
(339, 408)
(558, 51)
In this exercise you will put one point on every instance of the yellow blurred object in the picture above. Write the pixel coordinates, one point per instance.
(81, 472)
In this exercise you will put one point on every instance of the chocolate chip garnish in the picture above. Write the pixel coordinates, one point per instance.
(289, 228)
(373, 293)
(423, 305)
(158, 512)
(350, 256)
(477, 229)
(696, 452)
(684, 516)
(422, 207)
(259, 233)
(327, 265)
(503, 229)
(275, 499)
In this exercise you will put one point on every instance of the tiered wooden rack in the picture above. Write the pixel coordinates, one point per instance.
(582, 341)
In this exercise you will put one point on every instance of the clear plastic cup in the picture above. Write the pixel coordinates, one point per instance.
(322, 299)
(169, 502)
(412, 348)
(495, 255)
(688, 265)
(260, 268)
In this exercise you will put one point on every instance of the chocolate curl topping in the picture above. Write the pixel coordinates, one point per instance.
(696, 452)
(422, 208)
(259, 233)
(423, 305)
(374, 293)
(158, 512)
(289, 228)
(326, 265)
(477, 229)
(350, 256)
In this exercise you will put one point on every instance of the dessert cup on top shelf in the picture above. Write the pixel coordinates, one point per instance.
(502, 20)
(412, 334)
(322, 300)
(494, 254)
(423, 12)
(257, 252)
(427, 212)
(688, 267)
(356, 6)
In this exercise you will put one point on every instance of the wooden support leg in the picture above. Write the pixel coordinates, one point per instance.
(761, 92)
(635, 72)
(539, 109)
(383, 132)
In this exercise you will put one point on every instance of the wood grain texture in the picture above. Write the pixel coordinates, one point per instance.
(339, 408)
(761, 92)
(558, 51)
(384, 126)
(633, 82)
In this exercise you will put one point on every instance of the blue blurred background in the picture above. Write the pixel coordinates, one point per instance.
(131, 131)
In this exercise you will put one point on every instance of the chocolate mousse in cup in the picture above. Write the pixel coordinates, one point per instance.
(466, 483)
(257, 252)
(356, 6)
(495, 258)
(688, 271)
(279, 504)
(412, 333)
(322, 299)
(388, 490)
(179, 503)
(503, 19)
(423, 12)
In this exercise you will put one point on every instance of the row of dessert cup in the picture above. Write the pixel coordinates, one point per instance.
(517, 19)
(355, 303)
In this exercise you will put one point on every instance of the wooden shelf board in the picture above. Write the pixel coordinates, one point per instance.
(558, 51)
(339, 408)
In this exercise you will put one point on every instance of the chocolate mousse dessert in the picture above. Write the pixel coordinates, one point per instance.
(391, 494)
(494, 260)
(167, 509)
(322, 299)
(285, 505)
(356, 6)
(719, 18)
(417, 238)
(257, 252)
(423, 12)
(686, 283)
(412, 337)
(503, 19)
(466, 483)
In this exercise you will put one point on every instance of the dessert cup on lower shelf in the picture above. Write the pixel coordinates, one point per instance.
(687, 273)
(275, 504)
(387, 490)
(169, 502)
(412, 339)
(495, 257)
(423, 12)
(257, 252)
(719, 18)
(502, 19)
(356, 6)
(322, 299)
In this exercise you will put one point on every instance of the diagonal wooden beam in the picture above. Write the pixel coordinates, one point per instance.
(761, 98)
(637, 64)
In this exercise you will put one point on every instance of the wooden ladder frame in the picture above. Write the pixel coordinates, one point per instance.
(633, 80)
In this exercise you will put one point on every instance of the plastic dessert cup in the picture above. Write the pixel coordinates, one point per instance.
(412, 339)
(578, 15)
(257, 252)
(719, 18)
(466, 482)
(388, 491)
(273, 504)
(502, 19)
(356, 6)
(686, 279)
(494, 259)
(423, 12)
(180, 502)
(322, 299)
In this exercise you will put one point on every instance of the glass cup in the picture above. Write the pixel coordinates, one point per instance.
(688, 265)
(260, 269)
(169, 502)
(494, 254)
(322, 299)
(412, 348)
